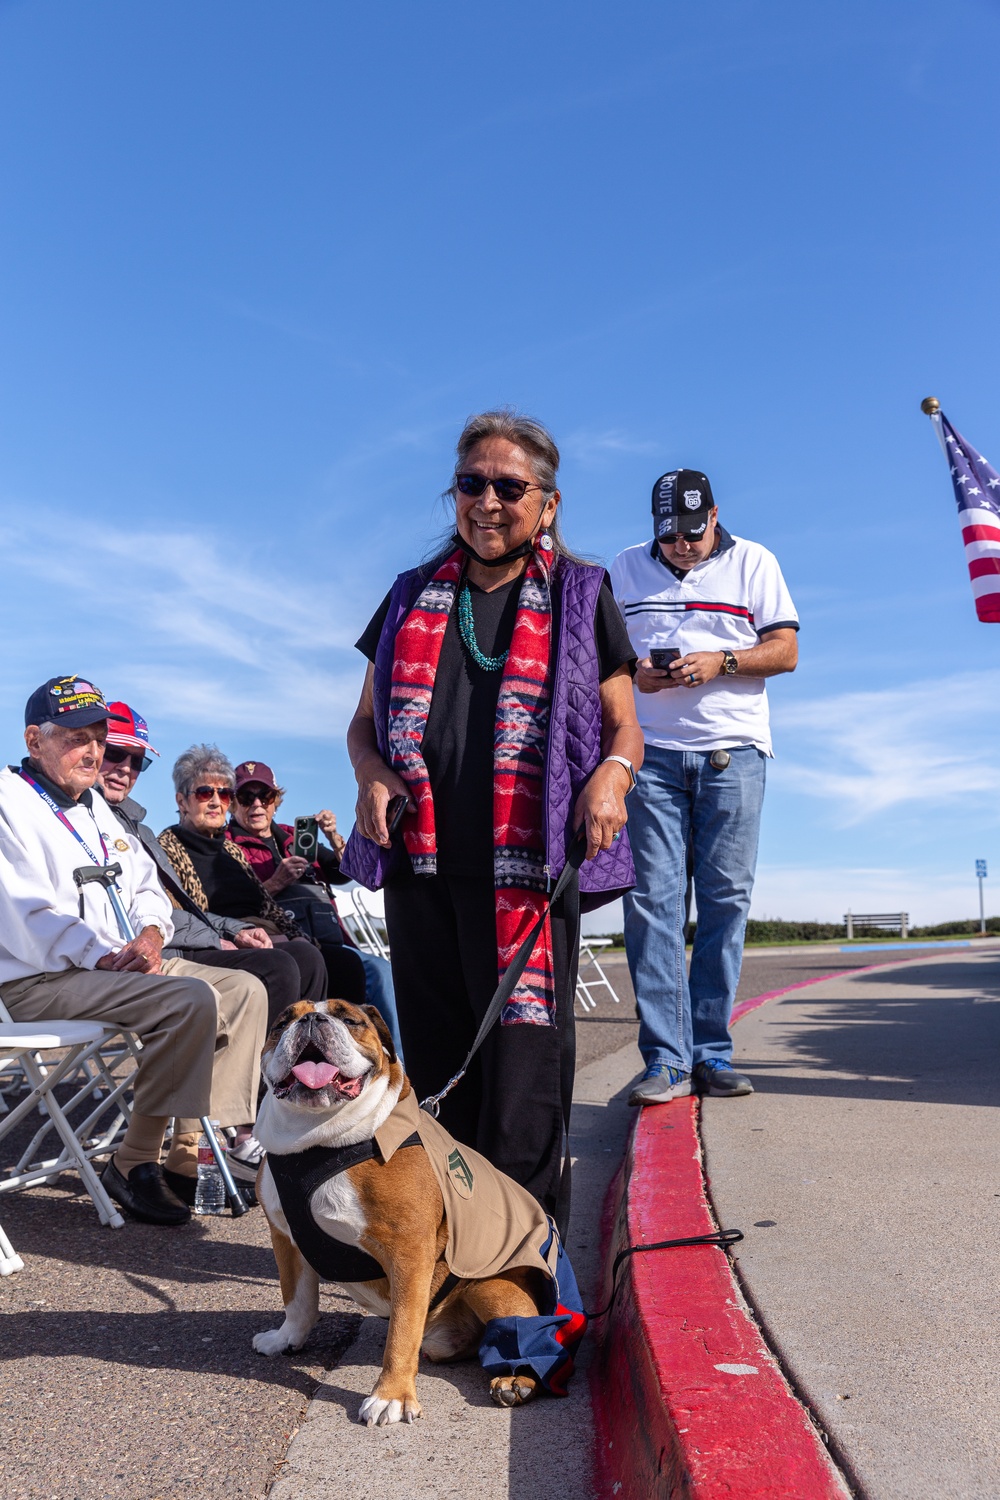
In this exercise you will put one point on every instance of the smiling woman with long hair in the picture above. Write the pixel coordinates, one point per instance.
(498, 702)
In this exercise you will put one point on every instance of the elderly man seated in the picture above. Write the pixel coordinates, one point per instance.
(62, 955)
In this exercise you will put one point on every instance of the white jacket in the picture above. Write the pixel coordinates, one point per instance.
(41, 930)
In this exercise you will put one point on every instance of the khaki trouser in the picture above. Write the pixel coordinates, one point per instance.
(202, 1030)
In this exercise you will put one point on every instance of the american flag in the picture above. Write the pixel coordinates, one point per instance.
(977, 490)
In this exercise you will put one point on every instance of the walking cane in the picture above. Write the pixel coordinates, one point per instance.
(105, 875)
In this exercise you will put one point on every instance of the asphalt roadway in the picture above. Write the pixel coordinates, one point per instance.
(126, 1370)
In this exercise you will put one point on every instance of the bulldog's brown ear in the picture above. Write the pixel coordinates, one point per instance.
(374, 1015)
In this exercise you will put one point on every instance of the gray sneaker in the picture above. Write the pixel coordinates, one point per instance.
(719, 1079)
(659, 1084)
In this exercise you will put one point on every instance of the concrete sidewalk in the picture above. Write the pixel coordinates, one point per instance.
(864, 1173)
(464, 1446)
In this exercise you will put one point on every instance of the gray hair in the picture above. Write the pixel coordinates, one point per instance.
(199, 761)
(537, 442)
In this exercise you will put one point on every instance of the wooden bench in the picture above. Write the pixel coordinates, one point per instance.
(894, 921)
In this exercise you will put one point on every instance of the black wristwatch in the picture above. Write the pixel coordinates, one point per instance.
(729, 663)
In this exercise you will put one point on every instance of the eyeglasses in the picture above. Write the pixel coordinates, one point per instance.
(248, 795)
(679, 536)
(116, 756)
(504, 489)
(206, 793)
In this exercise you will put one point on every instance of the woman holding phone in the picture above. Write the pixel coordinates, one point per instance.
(498, 702)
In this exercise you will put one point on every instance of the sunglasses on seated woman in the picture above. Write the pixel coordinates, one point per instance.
(206, 793)
(116, 756)
(504, 489)
(248, 795)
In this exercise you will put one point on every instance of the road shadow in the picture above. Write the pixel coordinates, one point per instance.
(937, 1048)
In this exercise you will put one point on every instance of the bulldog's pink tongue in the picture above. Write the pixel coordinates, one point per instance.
(315, 1075)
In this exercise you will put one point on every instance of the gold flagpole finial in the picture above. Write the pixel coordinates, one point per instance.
(930, 405)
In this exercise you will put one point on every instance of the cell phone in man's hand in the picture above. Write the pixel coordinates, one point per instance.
(394, 813)
(306, 838)
(662, 657)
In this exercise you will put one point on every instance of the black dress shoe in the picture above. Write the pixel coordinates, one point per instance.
(182, 1187)
(144, 1194)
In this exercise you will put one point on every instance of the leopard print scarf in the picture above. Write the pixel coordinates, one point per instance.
(188, 879)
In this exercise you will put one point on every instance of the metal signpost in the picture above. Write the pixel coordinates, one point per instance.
(981, 876)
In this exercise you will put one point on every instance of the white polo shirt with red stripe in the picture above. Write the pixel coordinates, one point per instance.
(728, 601)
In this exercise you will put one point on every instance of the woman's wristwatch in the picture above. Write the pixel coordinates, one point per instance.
(623, 760)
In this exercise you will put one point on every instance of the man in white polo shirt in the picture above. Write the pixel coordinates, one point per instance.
(710, 618)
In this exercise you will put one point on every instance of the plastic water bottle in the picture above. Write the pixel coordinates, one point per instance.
(210, 1194)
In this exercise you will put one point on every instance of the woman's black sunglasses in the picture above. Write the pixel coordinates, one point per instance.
(248, 795)
(504, 489)
(116, 756)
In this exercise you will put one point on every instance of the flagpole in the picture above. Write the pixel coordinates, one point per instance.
(931, 407)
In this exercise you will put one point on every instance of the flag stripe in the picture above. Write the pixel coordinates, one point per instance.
(982, 567)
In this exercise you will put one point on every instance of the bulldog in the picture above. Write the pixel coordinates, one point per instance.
(362, 1187)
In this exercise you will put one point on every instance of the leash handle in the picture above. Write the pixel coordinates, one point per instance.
(507, 985)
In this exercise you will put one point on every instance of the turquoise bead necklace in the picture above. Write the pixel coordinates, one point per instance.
(467, 630)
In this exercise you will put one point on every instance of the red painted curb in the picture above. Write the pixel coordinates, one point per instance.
(689, 1402)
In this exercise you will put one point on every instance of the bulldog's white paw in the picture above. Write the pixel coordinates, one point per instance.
(275, 1341)
(378, 1413)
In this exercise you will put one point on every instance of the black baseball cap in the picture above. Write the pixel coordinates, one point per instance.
(70, 701)
(682, 500)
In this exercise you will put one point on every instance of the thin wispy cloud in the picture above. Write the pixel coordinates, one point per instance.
(169, 617)
(929, 742)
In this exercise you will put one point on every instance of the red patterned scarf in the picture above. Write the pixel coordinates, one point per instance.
(518, 768)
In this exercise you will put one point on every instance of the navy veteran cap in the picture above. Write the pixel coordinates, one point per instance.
(682, 500)
(71, 701)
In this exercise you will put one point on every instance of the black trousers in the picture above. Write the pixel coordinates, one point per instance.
(289, 971)
(514, 1102)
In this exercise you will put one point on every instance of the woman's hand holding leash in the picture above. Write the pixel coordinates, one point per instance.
(600, 807)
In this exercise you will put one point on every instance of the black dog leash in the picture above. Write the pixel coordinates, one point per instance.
(723, 1239)
(507, 985)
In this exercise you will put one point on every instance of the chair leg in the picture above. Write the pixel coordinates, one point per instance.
(10, 1261)
(107, 1210)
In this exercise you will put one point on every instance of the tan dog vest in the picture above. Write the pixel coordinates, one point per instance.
(493, 1224)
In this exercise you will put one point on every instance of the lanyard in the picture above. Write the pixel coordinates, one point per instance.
(53, 807)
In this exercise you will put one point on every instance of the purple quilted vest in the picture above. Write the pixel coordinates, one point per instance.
(574, 747)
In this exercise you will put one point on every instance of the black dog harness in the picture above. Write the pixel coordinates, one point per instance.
(297, 1177)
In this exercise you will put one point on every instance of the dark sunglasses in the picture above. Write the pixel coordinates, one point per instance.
(206, 793)
(116, 756)
(677, 536)
(504, 489)
(247, 796)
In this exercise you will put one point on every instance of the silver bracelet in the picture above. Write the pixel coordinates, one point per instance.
(623, 760)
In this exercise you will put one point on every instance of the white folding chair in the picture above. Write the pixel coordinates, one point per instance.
(75, 1040)
(360, 923)
(589, 947)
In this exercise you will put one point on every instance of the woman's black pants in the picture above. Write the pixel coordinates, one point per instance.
(513, 1104)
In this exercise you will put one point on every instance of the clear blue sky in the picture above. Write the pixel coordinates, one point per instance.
(258, 262)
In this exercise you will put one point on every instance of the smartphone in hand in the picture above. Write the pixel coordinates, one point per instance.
(306, 838)
(663, 656)
(394, 813)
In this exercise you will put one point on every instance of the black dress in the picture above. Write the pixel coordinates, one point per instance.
(513, 1105)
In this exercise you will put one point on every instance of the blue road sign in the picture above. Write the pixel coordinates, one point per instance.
(981, 868)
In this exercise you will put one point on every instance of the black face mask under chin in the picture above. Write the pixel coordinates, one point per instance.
(525, 549)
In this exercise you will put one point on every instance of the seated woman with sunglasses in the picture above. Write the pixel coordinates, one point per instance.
(300, 885)
(215, 873)
(498, 704)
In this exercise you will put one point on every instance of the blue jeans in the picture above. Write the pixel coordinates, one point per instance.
(680, 800)
(380, 993)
